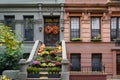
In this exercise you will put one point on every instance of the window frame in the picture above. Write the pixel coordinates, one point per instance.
(117, 27)
(99, 56)
(71, 28)
(28, 16)
(6, 23)
(99, 25)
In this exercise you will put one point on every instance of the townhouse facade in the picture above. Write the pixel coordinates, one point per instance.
(89, 20)
(95, 22)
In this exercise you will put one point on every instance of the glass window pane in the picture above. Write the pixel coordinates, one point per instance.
(75, 29)
(28, 28)
(113, 28)
(10, 22)
(119, 27)
(95, 27)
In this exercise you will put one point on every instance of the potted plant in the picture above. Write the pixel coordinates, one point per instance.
(36, 64)
(76, 39)
(59, 59)
(51, 64)
(33, 72)
(96, 39)
(44, 65)
(58, 64)
(49, 49)
(53, 72)
(44, 53)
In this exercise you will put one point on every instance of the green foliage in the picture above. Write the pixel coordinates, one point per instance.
(76, 39)
(53, 70)
(49, 49)
(51, 64)
(59, 59)
(44, 53)
(13, 52)
(33, 70)
(44, 65)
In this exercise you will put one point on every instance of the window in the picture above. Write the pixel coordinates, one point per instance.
(28, 28)
(96, 62)
(75, 27)
(75, 62)
(10, 22)
(95, 29)
(115, 28)
(118, 64)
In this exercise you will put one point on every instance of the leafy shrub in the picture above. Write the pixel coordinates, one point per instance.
(13, 52)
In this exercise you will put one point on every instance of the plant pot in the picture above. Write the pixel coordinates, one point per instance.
(33, 75)
(53, 75)
(96, 40)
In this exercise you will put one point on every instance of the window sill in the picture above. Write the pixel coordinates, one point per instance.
(28, 41)
(76, 40)
(96, 40)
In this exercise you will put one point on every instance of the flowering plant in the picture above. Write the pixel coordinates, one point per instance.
(36, 64)
(4, 77)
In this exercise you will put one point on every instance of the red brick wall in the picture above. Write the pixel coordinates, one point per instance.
(86, 1)
(87, 48)
(87, 77)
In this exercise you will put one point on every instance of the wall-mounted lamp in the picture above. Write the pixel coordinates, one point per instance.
(62, 29)
(40, 29)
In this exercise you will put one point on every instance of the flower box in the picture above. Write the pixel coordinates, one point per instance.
(96, 40)
(76, 39)
(53, 75)
(33, 75)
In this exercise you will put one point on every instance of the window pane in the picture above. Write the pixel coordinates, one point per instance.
(95, 27)
(113, 28)
(118, 27)
(75, 29)
(28, 28)
(10, 22)
(96, 62)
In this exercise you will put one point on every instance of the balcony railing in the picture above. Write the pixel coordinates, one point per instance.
(92, 69)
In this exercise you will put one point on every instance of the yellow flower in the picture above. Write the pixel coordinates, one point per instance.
(0, 44)
(59, 47)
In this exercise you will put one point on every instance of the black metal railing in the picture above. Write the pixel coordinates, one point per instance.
(92, 68)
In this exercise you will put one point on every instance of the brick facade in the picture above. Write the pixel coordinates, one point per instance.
(85, 9)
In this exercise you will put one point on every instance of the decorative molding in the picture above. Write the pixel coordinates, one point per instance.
(51, 8)
(19, 21)
(40, 21)
(85, 16)
(85, 21)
